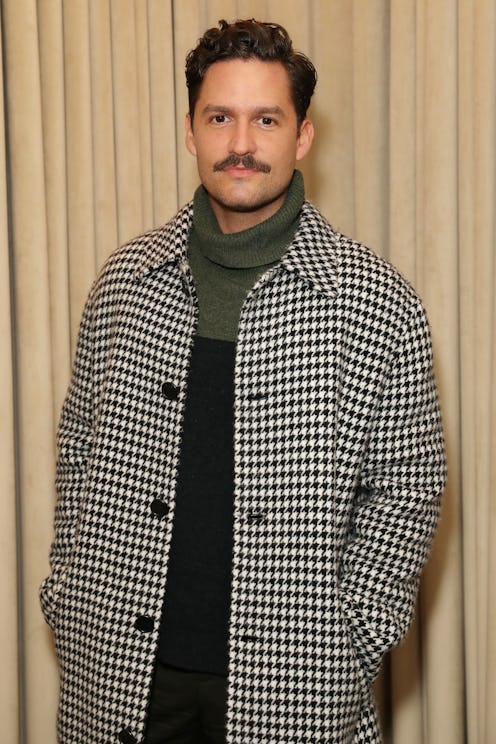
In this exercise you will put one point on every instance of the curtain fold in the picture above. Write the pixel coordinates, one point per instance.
(436, 278)
(56, 217)
(92, 153)
(30, 313)
(9, 680)
(477, 178)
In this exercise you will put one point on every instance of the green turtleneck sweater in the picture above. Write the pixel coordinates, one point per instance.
(226, 266)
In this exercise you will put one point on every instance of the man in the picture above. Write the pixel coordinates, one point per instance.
(250, 452)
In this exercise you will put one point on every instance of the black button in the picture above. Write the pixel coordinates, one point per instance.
(144, 623)
(249, 638)
(256, 396)
(159, 507)
(126, 737)
(170, 390)
(256, 516)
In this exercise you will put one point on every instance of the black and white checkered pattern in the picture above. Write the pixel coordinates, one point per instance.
(338, 468)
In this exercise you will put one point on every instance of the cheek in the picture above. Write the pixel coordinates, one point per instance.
(206, 150)
(201, 154)
(284, 152)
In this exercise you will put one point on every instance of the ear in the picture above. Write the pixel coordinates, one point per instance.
(305, 139)
(190, 137)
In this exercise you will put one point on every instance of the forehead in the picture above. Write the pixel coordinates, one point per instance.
(250, 82)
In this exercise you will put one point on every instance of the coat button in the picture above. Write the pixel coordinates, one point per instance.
(256, 516)
(159, 507)
(256, 396)
(126, 737)
(249, 638)
(144, 623)
(170, 390)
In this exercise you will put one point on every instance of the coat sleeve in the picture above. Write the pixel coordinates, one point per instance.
(397, 502)
(74, 442)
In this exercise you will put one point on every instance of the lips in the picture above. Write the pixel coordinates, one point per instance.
(240, 172)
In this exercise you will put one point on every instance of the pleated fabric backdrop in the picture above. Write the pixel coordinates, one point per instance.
(91, 153)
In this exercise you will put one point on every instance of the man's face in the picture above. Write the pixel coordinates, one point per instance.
(246, 140)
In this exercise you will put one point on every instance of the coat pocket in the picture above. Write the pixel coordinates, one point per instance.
(50, 593)
(369, 646)
(366, 666)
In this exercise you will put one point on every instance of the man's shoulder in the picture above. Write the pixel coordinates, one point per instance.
(147, 251)
(353, 267)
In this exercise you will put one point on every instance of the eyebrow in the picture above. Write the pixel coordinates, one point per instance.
(256, 111)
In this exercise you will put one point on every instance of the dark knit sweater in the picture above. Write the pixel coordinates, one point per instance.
(194, 631)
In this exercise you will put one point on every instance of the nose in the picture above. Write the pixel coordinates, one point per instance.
(242, 141)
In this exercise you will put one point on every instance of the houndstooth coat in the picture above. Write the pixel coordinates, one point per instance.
(339, 467)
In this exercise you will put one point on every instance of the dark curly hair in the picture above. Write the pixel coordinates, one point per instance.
(250, 39)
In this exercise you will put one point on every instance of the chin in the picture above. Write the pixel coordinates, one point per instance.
(248, 205)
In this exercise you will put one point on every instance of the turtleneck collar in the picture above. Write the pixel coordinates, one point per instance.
(260, 245)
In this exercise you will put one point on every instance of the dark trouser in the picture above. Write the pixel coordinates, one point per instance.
(186, 707)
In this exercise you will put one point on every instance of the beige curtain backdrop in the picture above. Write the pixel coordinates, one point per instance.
(91, 153)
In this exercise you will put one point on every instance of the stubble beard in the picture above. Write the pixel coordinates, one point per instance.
(256, 203)
(259, 199)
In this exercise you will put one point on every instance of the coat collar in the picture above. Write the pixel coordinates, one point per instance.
(312, 254)
(166, 244)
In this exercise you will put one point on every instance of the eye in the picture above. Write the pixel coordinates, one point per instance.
(219, 119)
(267, 121)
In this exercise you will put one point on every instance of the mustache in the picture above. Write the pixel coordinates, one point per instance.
(247, 161)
